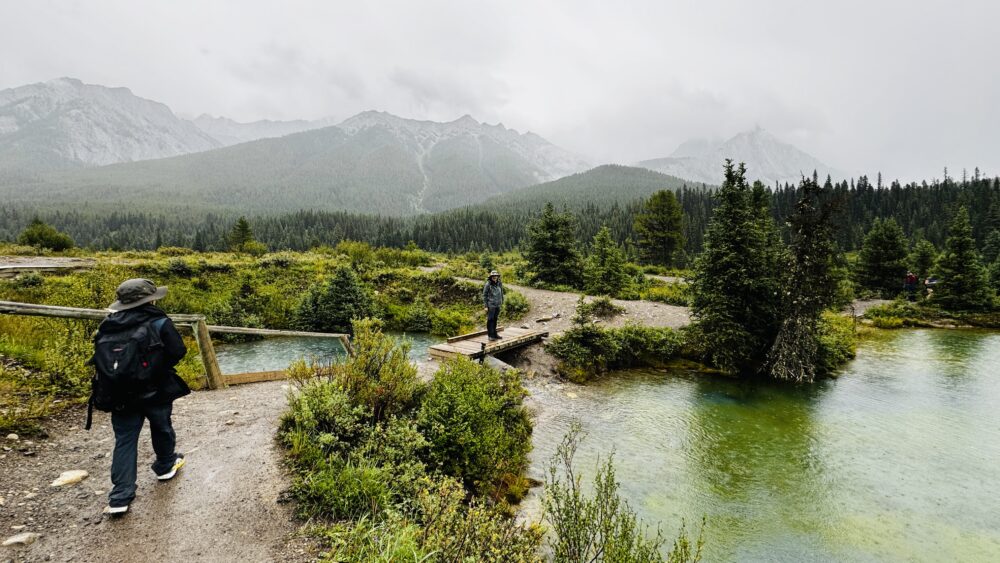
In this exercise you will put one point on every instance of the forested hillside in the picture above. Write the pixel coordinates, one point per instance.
(923, 210)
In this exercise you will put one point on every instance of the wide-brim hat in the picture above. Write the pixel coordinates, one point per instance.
(494, 273)
(136, 292)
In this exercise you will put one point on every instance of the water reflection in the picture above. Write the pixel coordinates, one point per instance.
(898, 459)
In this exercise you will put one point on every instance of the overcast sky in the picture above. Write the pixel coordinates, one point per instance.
(906, 87)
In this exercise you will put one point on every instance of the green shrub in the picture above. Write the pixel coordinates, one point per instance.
(515, 305)
(42, 235)
(179, 267)
(601, 307)
(174, 251)
(26, 281)
(332, 306)
(473, 418)
(379, 377)
(602, 527)
(671, 294)
(837, 342)
(254, 248)
(587, 350)
(279, 260)
(449, 322)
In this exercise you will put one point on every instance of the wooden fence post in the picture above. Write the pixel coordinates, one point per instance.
(204, 340)
(346, 341)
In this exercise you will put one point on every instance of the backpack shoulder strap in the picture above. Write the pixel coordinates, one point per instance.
(158, 323)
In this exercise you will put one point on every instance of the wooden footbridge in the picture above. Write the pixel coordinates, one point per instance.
(477, 345)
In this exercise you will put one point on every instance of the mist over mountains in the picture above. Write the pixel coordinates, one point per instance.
(64, 142)
(65, 123)
(767, 158)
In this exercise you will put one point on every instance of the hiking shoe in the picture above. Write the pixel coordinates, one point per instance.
(115, 510)
(178, 463)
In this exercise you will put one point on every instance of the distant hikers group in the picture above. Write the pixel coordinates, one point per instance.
(135, 351)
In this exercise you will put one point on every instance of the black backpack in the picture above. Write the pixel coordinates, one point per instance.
(127, 365)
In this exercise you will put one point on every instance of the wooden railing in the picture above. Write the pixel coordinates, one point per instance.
(196, 323)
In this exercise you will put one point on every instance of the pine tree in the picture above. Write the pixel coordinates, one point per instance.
(334, 305)
(738, 278)
(659, 229)
(812, 286)
(962, 281)
(552, 250)
(922, 258)
(241, 235)
(605, 272)
(882, 260)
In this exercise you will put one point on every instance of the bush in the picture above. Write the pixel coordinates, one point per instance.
(174, 251)
(478, 429)
(837, 342)
(515, 305)
(332, 306)
(602, 527)
(26, 281)
(600, 307)
(39, 234)
(587, 350)
(178, 267)
(279, 260)
(672, 294)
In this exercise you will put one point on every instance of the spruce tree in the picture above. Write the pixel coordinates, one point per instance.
(659, 229)
(241, 235)
(738, 278)
(812, 287)
(962, 280)
(332, 306)
(605, 272)
(922, 258)
(552, 249)
(991, 248)
(882, 260)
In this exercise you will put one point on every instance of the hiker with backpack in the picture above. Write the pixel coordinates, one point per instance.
(135, 350)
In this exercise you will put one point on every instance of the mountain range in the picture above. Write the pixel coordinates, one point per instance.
(767, 158)
(66, 143)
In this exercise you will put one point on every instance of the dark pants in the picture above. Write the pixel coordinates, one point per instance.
(492, 314)
(127, 426)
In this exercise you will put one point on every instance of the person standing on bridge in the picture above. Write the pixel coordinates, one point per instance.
(135, 350)
(493, 299)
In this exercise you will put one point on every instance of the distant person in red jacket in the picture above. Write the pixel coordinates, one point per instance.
(910, 285)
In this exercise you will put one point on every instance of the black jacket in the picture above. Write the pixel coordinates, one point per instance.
(168, 386)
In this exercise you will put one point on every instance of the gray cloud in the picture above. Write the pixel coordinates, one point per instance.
(892, 85)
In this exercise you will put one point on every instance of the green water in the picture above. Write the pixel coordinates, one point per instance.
(272, 354)
(897, 460)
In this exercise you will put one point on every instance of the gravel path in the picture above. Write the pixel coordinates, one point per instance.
(224, 505)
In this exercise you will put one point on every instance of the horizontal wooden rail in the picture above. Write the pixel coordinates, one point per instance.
(272, 332)
(196, 323)
(36, 310)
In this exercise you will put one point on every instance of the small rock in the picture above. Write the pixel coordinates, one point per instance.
(98, 492)
(18, 528)
(70, 477)
(571, 394)
(28, 453)
(30, 496)
(13, 437)
(525, 326)
(24, 538)
(230, 422)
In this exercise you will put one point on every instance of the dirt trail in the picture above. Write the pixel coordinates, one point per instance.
(224, 505)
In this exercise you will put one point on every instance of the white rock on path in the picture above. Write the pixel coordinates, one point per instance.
(25, 538)
(14, 437)
(70, 477)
